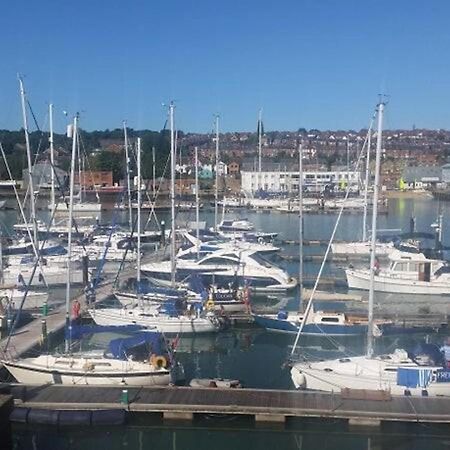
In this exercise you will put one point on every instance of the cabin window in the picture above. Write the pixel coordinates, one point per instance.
(344, 360)
(390, 369)
(327, 369)
(330, 319)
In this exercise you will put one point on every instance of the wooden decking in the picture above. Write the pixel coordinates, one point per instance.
(263, 405)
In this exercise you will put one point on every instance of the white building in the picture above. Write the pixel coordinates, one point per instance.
(287, 180)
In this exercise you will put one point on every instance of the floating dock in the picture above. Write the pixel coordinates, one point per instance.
(367, 408)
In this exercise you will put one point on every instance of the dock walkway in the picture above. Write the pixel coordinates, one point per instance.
(263, 405)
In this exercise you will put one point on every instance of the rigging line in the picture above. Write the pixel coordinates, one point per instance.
(310, 302)
(97, 196)
(102, 262)
(33, 244)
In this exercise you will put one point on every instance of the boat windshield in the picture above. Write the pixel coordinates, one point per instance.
(261, 260)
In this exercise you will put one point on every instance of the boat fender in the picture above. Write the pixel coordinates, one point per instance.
(19, 415)
(109, 417)
(300, 380)
(209, 304)
(43, 416)
(68, 418)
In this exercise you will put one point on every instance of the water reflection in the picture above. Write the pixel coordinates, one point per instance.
(234, 434)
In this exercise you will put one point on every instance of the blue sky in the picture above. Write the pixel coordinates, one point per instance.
(307, 63)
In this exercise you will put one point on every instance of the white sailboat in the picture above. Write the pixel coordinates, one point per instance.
(92, 368)
(149, 315)
(363, 247)
(399, 372)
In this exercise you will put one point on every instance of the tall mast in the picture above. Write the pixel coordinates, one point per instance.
(197, 199)
(348, 161)
(172, 193)
(30, 166)
(374, 229)
(300, 223)
(366, 183)
(127, 158)
(154, 171)
(216, 193)
(52, 158)
(139, 198)
(69, 240)
(259, 147)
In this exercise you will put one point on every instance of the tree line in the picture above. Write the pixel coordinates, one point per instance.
(96, 157)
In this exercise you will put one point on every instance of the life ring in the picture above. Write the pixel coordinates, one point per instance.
(209, 304)
(158, 361)
(260, 240)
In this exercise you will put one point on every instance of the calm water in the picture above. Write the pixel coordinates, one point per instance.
(257, 357)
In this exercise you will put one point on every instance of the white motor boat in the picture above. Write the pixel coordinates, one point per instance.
(382, 249)
(225, 267)
(408, 273)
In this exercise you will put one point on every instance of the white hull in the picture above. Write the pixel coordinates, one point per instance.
(360, 279)
(361, 249)
(78, 207)
(358, 373)
(160, 323)
(86, 371)
(54, 276)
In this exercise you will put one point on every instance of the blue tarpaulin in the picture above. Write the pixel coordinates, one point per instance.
(78, 331)
(413, 377)
(118, 348)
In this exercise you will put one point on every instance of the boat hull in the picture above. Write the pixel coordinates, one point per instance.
(37, 374)
(287, 326)
(166, 325)
(358, 279)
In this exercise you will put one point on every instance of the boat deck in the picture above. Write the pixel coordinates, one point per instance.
(358, 407)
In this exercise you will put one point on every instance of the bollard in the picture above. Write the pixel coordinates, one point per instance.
(44, 329)
(124, 397)
(45, 309)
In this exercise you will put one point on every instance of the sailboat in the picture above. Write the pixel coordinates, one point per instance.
(115, 366)
(153, 316)
(422, 373)
(317, 322)
(363, 247)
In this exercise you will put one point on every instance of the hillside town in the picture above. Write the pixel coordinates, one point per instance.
(412, 160)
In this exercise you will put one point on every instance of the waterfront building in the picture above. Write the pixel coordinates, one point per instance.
(278, 177)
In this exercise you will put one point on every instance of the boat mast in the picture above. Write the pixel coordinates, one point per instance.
(172, 192)
(366, 182)
(127, 158)
(216, 192)
(139, 198)
(52, 159)
(374, 230)
(197, 205)
(259, 148)
(154, 172)
(69, 240)
(300, 223)
(30, 166)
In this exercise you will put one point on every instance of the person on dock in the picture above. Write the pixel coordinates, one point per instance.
(445, 350)
(76, 310)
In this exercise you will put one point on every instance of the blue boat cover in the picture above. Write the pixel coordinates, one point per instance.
(414, 377)
(118, 348)
(78, 331)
